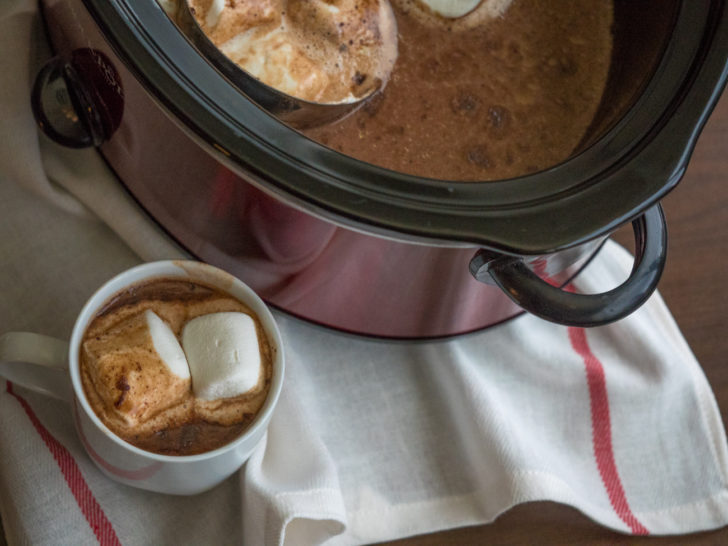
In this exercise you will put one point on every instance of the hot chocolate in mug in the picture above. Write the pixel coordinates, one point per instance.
(53, 367)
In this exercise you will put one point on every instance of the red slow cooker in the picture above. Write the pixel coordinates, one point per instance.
(359, 248)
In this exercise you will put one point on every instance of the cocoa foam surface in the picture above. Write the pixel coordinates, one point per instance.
(156, 410)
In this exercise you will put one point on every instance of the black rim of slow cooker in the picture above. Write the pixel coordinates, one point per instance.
(627, 170)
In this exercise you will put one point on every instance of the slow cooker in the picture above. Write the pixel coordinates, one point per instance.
(359, 248)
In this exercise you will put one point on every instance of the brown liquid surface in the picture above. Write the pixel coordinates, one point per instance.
(513, 96)
(187, 426)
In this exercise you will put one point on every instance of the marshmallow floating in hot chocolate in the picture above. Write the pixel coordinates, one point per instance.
(326, 51)
(456, 14)
(167, 345)
(223, 354)
(451, 8)
(139, 368)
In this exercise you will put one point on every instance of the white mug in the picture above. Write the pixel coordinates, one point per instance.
(45, 364)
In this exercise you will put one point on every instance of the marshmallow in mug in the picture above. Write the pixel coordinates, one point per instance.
(139, 368)
(223, 355)
(220, 354)
(201, 452)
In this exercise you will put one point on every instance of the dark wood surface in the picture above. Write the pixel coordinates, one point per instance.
(695, 287)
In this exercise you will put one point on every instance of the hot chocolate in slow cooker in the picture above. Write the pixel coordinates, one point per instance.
(361, 248)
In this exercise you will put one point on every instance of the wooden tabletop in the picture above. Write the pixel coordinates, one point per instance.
(695, 288)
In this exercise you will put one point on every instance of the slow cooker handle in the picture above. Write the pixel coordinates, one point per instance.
(585, 310)
(63, 107)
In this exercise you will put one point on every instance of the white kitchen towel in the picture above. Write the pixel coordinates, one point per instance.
(372, 440)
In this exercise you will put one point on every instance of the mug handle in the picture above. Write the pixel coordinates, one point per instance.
(551, 303)
(36, 362)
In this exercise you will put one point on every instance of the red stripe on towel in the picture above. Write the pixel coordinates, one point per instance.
(602, 431)
(90, 508)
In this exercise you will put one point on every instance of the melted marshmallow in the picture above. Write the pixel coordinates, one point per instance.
(327, 51)
(137, 368)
